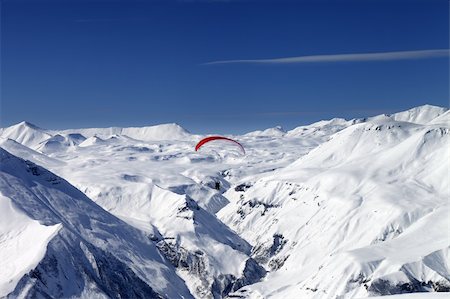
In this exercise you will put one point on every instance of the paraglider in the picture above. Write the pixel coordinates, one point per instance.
(213, 138)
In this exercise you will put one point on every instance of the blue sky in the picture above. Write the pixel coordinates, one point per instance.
(134, 63)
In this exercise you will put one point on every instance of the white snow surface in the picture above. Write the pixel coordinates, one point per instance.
(20, 234)
(26, 134)
(435, 295)
(336, 209)
(55, 206)
(159, 132)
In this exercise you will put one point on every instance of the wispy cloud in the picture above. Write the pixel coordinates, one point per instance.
(98, 20)
(380, 56)
(110, 20)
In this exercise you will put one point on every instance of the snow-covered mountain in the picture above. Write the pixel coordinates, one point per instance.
(420, 115)
(60, 244)
(26, 134)
(271, 132)
(60, 142)
(336, 209)
(371, 214)
(159, 132)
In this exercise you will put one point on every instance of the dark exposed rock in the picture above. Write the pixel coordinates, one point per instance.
(253, 272)
(222, 285)
(225, 284)
(243, 187)
(384, 287)
(263, 252)
(194, 262)
(39, 171)
(277, 262)
(247, 207)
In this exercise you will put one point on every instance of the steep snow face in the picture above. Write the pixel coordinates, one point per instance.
(93, 251)
(20, 235)
(364, 213)
(197, 238)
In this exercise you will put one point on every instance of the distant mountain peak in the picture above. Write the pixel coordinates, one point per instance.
(27, 124)
(26, 133)
(419, 115)
(274, 131)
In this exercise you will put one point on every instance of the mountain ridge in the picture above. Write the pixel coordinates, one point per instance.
(337, 208)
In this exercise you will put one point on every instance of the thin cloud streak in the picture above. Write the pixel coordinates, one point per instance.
(110, 20)
(381, 56)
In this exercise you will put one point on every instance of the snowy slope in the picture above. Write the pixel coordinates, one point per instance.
(23, 151)
(322, 127)
(47, 140)
(161, 203)
(20, 233)
(26, 134)
(421, 295)
(339, 208)
(276, 131)
(443, 119)
(159, 132)
(364, 213)
(89, 244)
(60, 142)
(419, 115)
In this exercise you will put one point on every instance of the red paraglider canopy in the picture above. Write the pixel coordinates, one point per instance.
(211, 138)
